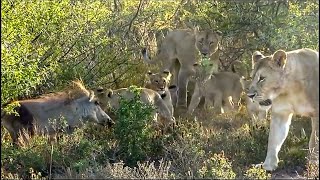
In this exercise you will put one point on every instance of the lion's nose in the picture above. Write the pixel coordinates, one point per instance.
(251, 95)
(205, 54)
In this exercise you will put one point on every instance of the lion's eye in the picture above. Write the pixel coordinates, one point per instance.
(261, 78)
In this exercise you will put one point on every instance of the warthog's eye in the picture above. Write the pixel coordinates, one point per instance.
(156, 81)
(96, 103)
(211, 42)
(261, 79)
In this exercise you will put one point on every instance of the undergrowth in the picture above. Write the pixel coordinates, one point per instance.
(206, 146)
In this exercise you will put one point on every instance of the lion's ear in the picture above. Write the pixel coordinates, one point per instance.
(280, 58)
(219, 33)
(149, 73)
(167, 74)
(109, 93)
(196, 29)
(100, 90)
(256, 56)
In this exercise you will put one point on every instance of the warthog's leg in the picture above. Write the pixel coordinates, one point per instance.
(279, 128)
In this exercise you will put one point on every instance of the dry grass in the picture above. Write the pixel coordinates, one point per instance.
(185, 152)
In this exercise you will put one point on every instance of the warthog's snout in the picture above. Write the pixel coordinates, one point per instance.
(110, 122)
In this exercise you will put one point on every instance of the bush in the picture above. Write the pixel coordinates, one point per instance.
(217, 167)
(133, 130)
(256, 173)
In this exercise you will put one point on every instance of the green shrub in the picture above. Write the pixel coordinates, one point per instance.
(133, 128)
(217, 167)
(256, 173)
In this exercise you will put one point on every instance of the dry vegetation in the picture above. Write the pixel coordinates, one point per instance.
(46, 44)
(203, 146)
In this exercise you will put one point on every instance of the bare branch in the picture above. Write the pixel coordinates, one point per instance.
(134, 17)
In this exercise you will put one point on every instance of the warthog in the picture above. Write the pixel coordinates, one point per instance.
(75, 105)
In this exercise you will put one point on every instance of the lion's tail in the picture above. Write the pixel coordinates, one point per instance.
(147, 58)
(238, 68)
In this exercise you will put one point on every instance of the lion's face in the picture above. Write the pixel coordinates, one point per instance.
(207, 42)
(159, 81)
(267, 78)
(203, 72)
(108, 98)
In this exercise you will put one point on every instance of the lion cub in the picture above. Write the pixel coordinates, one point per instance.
(218, 87)
(179, 50)
(111, 98)
(159, 82)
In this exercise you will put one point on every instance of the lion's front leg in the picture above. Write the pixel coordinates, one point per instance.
(183, 79)
(314, 140)
(279, 128)
(195, 99)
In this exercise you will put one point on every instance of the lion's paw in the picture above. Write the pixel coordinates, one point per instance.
(269, 166)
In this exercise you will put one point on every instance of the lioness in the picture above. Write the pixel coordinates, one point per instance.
(217, 87)
(159, 82)
(254, 109)
(111, 98)
(180, 49)
(290, 82)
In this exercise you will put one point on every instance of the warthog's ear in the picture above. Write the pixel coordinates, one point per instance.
(256, 56)
(280, 58)
(109, 93)
(91, 95)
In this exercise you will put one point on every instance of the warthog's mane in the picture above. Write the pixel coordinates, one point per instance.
(73, 91)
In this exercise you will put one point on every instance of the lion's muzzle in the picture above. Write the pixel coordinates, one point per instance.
(251, 95)
(266, 102)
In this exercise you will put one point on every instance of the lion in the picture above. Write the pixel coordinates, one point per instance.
(217, 87)
(182, 48)
(256, 112)
(111, 98)
(239, 68)
(289, 81)
(159, 82)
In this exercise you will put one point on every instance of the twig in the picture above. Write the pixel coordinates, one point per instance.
(134, 17)
(50, 169)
